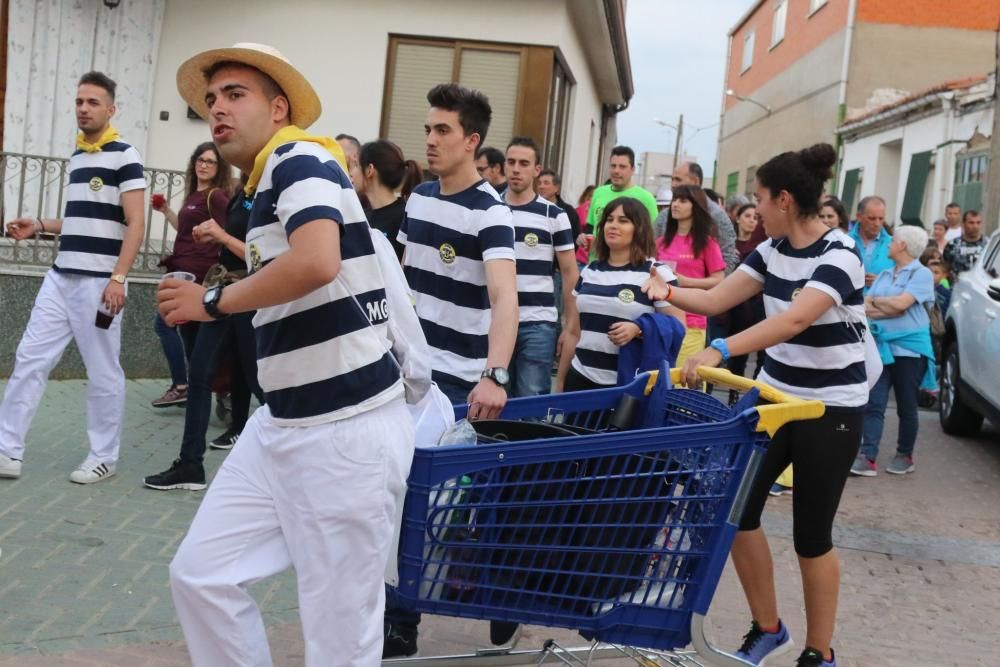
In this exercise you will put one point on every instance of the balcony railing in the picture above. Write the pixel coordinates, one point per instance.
(35, 186)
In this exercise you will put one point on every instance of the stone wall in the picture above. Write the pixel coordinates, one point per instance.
(141, 357)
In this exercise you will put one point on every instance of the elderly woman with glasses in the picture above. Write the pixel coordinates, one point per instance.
(896, 306)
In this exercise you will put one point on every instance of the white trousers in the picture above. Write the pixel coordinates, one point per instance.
(321, 499)
(65, 309)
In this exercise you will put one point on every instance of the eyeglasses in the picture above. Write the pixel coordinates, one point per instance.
(206, 162)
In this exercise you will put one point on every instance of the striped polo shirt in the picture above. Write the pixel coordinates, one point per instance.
(826, 361)
(541, 229)
(605, 295)
(318, 358)
(448, 239)
(94, 223)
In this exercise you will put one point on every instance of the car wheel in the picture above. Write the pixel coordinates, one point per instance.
(957, 418)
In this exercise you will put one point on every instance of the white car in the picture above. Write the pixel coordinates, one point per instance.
(970, 376)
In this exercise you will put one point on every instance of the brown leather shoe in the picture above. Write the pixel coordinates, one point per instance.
(172, 396)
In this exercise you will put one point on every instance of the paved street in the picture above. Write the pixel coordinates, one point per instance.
(83, 568)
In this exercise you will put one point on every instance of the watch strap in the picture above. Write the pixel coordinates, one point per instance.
(212, 305)
(720, 345)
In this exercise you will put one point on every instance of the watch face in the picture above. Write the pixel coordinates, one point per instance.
(209, 295)
(501, 375)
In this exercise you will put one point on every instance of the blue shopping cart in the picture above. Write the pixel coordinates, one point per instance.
(621, 535)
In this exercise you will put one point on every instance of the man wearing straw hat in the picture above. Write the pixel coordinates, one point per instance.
(319, 471)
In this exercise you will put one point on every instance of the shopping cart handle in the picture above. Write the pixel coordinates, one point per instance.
(782, 408)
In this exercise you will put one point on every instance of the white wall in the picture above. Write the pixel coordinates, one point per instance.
(341, 48)
(929, 133)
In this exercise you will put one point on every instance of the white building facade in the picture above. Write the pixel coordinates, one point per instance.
(921, 152)
(555, 70)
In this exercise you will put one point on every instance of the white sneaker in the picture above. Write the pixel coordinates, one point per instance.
(9, 468)
(91, 471)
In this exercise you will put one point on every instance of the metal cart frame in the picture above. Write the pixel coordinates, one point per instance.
(765, 420)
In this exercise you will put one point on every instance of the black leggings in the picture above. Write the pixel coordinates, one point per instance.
(821, 452)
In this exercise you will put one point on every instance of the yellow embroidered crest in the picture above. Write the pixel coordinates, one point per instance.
(447, 253)
(255, 261)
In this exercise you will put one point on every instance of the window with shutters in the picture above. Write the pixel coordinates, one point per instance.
(970, 176)
(778, 24)
(916, 183)
(748, 42)
(528, 87)
(558, 119)
(849, 193)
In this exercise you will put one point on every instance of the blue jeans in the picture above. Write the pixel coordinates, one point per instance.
(458, 394)
(178, 345)
(215, 338)
(173, 350)
(904, 376)
(531, 364)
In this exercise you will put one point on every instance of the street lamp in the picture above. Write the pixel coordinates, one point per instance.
(751, 100)
(679, 129)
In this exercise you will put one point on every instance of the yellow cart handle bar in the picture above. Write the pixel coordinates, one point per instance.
(781, 407)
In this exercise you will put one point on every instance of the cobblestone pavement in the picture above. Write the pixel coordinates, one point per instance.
(83, 568)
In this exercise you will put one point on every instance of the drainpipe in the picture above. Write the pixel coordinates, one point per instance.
(852, 11)
(722, 116)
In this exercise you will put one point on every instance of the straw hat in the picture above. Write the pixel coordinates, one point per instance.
(191, 83)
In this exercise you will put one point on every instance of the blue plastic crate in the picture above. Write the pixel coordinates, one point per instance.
(620, 535)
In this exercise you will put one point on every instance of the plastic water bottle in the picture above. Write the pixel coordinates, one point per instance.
(460, 433)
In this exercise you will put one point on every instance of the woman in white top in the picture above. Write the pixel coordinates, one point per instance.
(812, 280)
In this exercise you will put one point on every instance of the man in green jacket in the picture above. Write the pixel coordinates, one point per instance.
(622, 170)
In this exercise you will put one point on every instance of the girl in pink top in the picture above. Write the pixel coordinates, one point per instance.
(690, 248)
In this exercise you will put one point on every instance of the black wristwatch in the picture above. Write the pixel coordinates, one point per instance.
(211, 302)
(498, 375)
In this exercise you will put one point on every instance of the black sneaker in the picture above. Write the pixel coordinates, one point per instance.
(225, 441)
(398, 642)
(813, 658)
(181, 475)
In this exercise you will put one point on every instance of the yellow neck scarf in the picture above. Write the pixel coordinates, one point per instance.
(110, 134)
(287, 135)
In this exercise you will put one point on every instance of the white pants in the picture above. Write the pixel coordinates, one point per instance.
(321, 499)
(65, 309)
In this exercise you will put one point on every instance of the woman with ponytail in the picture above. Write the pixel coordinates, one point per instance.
(383, 171)
(812, 280)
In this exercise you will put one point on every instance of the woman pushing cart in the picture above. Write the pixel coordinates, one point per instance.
(593, 537)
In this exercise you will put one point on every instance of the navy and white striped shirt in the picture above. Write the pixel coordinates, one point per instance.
(448, 239)
(605, 295)
(318, 360)
(541, 229)
(825, 362)
(94, 223)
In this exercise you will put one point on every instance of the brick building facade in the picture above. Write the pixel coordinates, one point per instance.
(797, 69)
